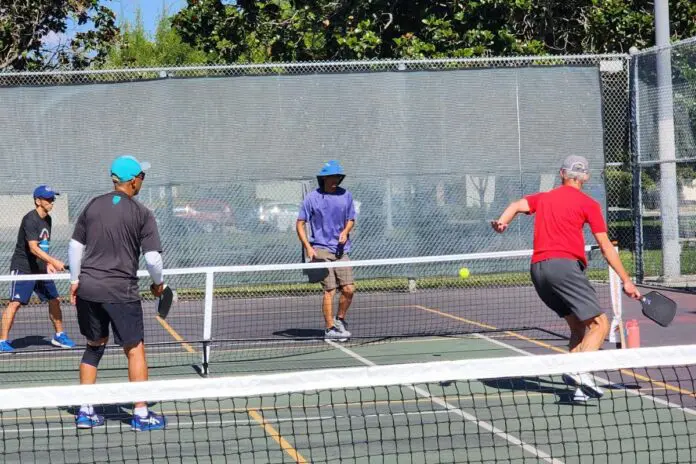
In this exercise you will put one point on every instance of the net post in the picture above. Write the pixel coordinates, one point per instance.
(207, 319)
(615, 287)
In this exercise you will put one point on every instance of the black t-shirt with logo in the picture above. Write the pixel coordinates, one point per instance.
(114, 228)
(33, 228)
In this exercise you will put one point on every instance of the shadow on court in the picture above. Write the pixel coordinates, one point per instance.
(29, 341)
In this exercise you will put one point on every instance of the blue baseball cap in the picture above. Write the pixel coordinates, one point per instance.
(45, 191)
(126, 167)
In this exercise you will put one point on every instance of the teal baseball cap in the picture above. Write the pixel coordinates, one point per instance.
(126, 167)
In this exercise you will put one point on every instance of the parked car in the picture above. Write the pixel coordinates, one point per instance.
(281, 216)
(209, 215)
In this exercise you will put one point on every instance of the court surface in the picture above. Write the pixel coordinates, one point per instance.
(294, 430)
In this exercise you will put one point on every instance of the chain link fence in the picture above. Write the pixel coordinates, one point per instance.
(663, 113)
(433, 149)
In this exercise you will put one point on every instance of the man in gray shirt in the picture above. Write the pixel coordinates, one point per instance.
(103, 255)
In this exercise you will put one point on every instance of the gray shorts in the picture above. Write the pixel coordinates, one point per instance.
(564, 287)
(335, 277)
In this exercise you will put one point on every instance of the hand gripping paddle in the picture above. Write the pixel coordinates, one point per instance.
(164, 302)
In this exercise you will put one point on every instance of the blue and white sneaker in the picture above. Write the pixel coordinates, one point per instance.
(62, 341)
(87, 421)
(5, 347)
(151, 422)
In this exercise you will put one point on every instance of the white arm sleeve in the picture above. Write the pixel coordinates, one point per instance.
(75, 250)
(155, 266)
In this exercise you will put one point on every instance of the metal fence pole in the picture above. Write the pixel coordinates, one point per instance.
(636, 188)
(669, 200)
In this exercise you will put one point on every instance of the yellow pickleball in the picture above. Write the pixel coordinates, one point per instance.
(464, 273)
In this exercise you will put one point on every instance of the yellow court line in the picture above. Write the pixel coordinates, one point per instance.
(473, 397)
(175, 335)
(273, 433)
(560, 350)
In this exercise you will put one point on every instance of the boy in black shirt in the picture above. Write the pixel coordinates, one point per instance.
(31, 257)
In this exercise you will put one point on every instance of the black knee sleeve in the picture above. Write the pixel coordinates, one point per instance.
(93, 355)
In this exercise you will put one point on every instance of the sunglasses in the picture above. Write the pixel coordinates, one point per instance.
(50, 200)
(141, 176)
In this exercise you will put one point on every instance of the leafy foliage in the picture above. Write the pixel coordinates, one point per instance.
(307, 30)
(25, 27)
(134, 48)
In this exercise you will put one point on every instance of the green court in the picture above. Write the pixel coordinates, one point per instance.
(522, 419)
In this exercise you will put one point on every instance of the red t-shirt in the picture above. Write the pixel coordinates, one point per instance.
(561, 214)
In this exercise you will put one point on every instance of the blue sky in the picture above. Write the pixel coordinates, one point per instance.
(151, 10)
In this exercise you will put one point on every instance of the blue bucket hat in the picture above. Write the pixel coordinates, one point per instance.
(331, 168)
(126, 167)
(46, 192)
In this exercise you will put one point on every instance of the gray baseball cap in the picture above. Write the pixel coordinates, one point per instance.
(575, 163)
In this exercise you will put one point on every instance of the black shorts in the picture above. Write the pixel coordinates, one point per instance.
(564, 287)
(126, 321)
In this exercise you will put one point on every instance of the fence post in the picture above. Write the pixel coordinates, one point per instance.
(636, 185)
(669, 200)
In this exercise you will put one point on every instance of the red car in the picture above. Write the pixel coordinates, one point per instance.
(210, 215)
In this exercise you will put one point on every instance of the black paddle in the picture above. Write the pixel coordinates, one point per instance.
(658, 308)
(164, 301)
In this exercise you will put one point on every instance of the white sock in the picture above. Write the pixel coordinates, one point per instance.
(58, 334)
(87, 409)
(141, 411)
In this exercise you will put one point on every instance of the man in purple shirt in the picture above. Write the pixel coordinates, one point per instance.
(330, 212)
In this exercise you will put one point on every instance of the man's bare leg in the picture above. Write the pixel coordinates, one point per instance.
(597, 330)
(577, 331)
(345, 300)
(55, 314)
(327, 308)
(137, 366)
(8, 317)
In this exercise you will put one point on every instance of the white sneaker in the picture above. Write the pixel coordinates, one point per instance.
(342, 326)
(334, 334)
(580, 396)
(585, 382)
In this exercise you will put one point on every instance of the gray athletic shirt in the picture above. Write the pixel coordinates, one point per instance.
(114, 228)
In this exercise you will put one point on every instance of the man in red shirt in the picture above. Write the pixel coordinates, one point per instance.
(559, 261)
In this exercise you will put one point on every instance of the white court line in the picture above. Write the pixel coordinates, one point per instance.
(459, 412)
(603, 381)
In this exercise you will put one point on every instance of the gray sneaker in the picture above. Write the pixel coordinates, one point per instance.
(334, 334)
(342, 326)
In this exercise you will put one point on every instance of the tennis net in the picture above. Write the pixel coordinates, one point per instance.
(516, 409)
(238, 314)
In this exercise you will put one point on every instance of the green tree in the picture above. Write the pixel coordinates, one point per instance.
(307, 30)
(25, 25)
(133, 47)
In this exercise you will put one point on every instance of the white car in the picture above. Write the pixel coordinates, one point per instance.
(281, 216)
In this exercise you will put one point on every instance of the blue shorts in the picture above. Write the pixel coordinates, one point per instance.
(21, 290)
